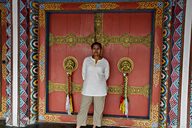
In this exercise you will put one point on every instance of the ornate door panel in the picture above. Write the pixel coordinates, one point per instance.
(126, 30)
(73, 30)
(118, 29)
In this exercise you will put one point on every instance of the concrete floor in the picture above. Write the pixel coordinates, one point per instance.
(50, 125)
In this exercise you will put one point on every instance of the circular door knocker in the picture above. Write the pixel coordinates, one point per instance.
(70, 64)
(125, 66)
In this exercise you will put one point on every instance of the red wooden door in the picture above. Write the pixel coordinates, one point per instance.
(115, 25)
(123, 33)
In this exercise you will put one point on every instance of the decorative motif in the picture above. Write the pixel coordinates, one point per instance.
(115, 89)
(99, 6)
(4, 74)
(42, 62)
(152, 122)
(47, 6)
(3, 14)
(34, 57)
(23, 64)
(189, 119)
(98, 26)
(3, 109)
(54, 87)
(70, 39)
(70, 64)
(9, 62)
(125, 39)
(125, 66)
(4, 71)
(106, 122)
(158, 6)
(42, 17)
(144, 90)
(178, 27)
(157, 65)
(43, 115)
(165, 64)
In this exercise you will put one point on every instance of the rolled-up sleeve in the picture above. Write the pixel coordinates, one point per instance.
(107, 70)
(84, 69)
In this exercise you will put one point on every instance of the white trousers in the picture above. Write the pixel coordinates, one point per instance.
(99, 102)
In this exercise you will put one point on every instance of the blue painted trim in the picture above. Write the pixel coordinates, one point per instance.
(151, 61)
(2, 0)
(47, 61)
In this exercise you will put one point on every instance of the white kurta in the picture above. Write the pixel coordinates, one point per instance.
(95, 76)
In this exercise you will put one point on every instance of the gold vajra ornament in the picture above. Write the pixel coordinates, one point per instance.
(70, 64)
(125, 65)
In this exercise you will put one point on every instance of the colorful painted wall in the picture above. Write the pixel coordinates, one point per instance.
(166, 29)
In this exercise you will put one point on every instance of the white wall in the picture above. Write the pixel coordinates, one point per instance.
(185, 68)
(15, 64)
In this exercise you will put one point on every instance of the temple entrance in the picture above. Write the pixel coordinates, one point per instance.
(122, 36)
(128, 36)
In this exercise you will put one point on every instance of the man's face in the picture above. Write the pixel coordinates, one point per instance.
(96, 50)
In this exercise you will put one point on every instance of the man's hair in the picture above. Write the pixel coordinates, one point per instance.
(96, 43)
